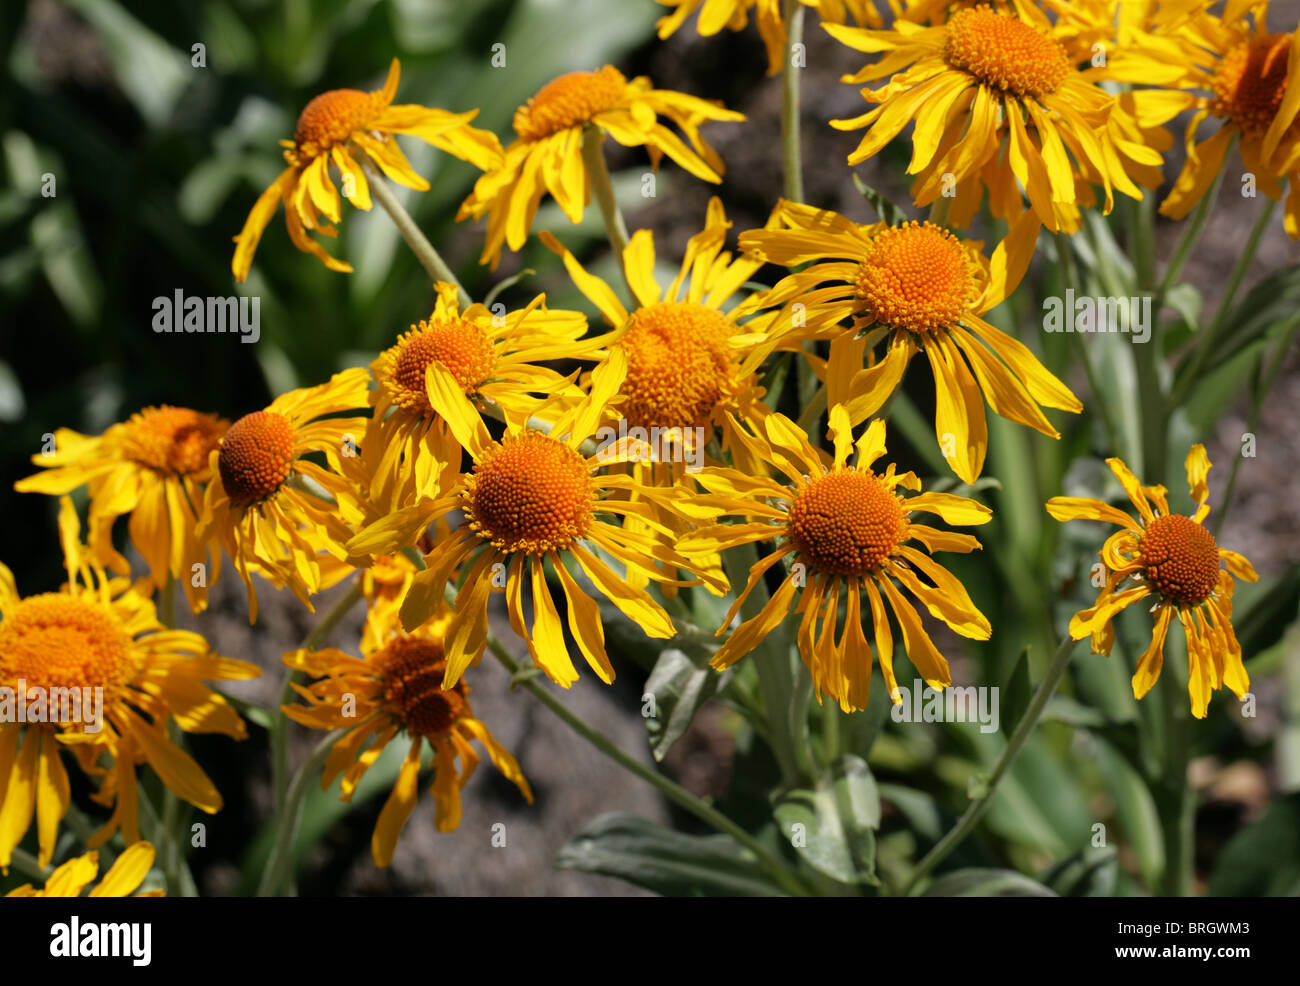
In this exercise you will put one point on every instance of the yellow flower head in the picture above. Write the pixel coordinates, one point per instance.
(397, 690)
(350, 130)
(684, 383)
(1173, 562)
(274, 510)
(409, 452)
(847, 527)
(911, 287)
(546, 156)
(1000, 104)
(530, 498)
(683, 349)
(1232, 68)
(125, 875)
(734, 15)
(152, 468)
(97, 675)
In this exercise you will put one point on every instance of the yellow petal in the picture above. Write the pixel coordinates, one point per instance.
(1150, 663)
(1198, 467)
(127, 872)
(1086, 508)
(397, 809)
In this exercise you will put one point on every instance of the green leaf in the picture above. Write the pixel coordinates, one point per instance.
(1019, 690)
(1135, 810)
(860, 729)
(628, 847)
(1038, 803)
(919, 809)
(1263, 860)
(1085, 873)
(888, 212)
(1262, 611)
(987, 883)
(322, 811)
(1186, 300)
(151, 72)
(832, 825)
(678, 685)
(858, 800)
(1272, 301)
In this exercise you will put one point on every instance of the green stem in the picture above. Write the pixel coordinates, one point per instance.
(1070, 276)
(1174, 798)
(939, 210)
(808, 417)
(1244, 261)
(28, 865)
(153, 827)
(775, 681)
(424, 251)
(1210, 337)
(1143, 242)
(970, 818)
(277, 866)
(1191, 234)
(1263, 386)
(792, 16)
(705, 812)
(593, 157)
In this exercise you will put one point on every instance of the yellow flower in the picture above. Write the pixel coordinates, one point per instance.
(1172, 562)
(847, 527)
(388, 578)
(1246, 74)
(998, 103)
(408, 451)
(125, 875)
(528, 499)
(684, 382)
(96, 673)
(343, 128)
(914, 287)
(734, 14)
(546, 156)
(273, 509)
(683, 348)
(151, 467)
(397, 689)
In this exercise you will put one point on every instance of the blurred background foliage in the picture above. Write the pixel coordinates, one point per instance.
(156, 163)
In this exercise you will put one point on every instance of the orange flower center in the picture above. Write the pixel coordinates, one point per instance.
(255, 457)
(568, 101)
(331, 118)
(1003, 51)
(55, 642)
(530, 493)
(679, 365)
(461, 346)
(412, 670)
(1180, 558)
(173, 439)
(916, 276)
(846, 523)
(1250, 82)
